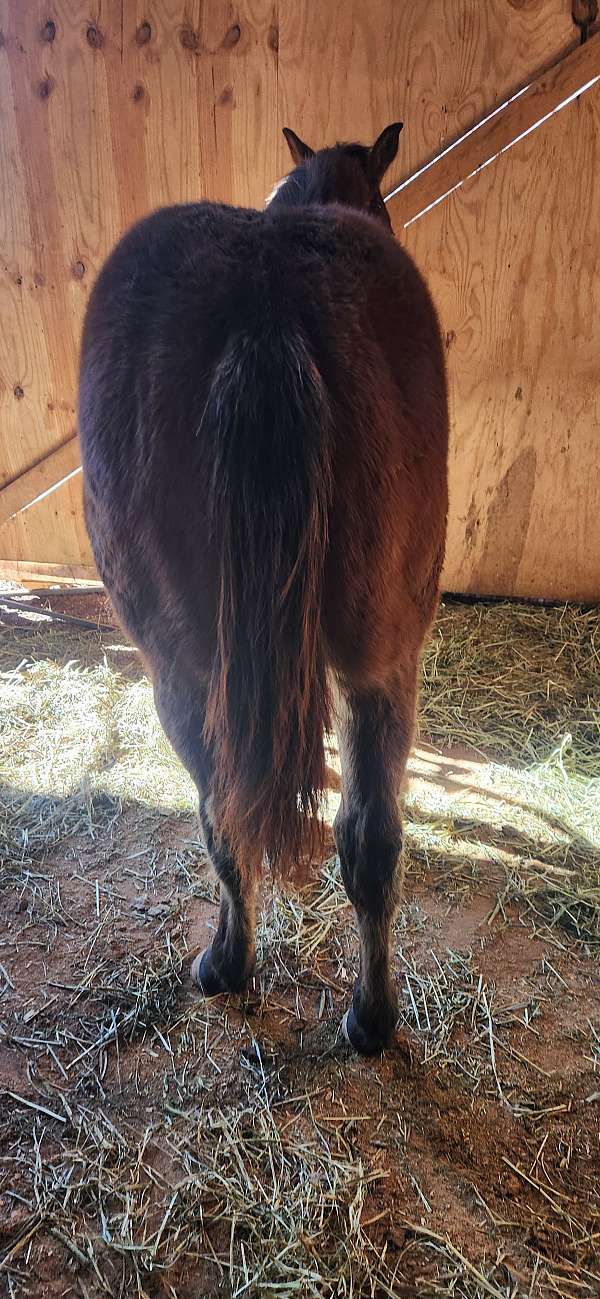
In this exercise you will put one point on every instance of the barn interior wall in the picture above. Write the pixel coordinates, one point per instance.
(111, 110)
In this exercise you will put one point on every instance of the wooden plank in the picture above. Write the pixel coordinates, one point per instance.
(542, 96)
(82, 587)
(347, 68)
(32, 573)
(512, 261)
(57, 519)
(25, 489)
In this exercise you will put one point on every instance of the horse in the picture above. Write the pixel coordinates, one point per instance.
(264, 426)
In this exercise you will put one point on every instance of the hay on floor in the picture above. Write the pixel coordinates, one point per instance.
(231, 1156)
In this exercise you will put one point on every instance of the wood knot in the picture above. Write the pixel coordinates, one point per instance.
(143, 34)
(189, 39)
(137, 93)
(45, 88)
(94, 37)
(226, 96)
(18, 392)
(273, 38)
(48, 31)
(78, 270)
(232, 36)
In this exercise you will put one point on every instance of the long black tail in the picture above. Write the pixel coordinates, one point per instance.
(266, 429)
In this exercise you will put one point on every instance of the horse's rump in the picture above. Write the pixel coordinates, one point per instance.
(263, 437)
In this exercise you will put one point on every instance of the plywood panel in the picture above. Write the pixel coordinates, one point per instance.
(55, 89)
(113, 108)
(106, 118)
(23, 492)
(348, 67)
(545, 95)
(513, 261)
(57, 518)
(199, 95)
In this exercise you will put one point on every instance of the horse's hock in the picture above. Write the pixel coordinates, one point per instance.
(157, 1142)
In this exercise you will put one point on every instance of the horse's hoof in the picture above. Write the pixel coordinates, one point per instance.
(361, 1041)
(205, 975)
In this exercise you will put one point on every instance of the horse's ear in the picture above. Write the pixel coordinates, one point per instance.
(300, 152)
(384, 151)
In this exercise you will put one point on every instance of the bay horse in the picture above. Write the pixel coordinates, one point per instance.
(263, 424)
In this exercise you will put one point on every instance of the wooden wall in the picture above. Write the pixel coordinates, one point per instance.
(513, 261)
(111, 108)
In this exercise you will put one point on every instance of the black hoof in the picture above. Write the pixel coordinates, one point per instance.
(362, 1041)
(212, 981)
(208, 979)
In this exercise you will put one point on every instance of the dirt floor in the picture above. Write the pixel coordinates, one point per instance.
(152, 1143)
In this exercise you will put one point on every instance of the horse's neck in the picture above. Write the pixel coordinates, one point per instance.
(289, 192)
(275, 190)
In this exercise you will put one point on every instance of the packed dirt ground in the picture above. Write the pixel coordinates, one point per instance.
(156, 1144)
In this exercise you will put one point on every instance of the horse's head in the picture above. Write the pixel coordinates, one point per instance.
(350, 174)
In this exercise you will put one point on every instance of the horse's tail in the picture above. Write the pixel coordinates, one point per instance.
(266, 432)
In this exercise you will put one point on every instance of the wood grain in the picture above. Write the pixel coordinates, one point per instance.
(56, 94)
(111, 109)
(34, 574)
(513, 261)
(198, 86)
(543, 96)
(22, 491)
(113, 116)
(348, 67)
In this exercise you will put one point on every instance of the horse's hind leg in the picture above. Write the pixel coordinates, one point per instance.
(375, 737)
(227, 964)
